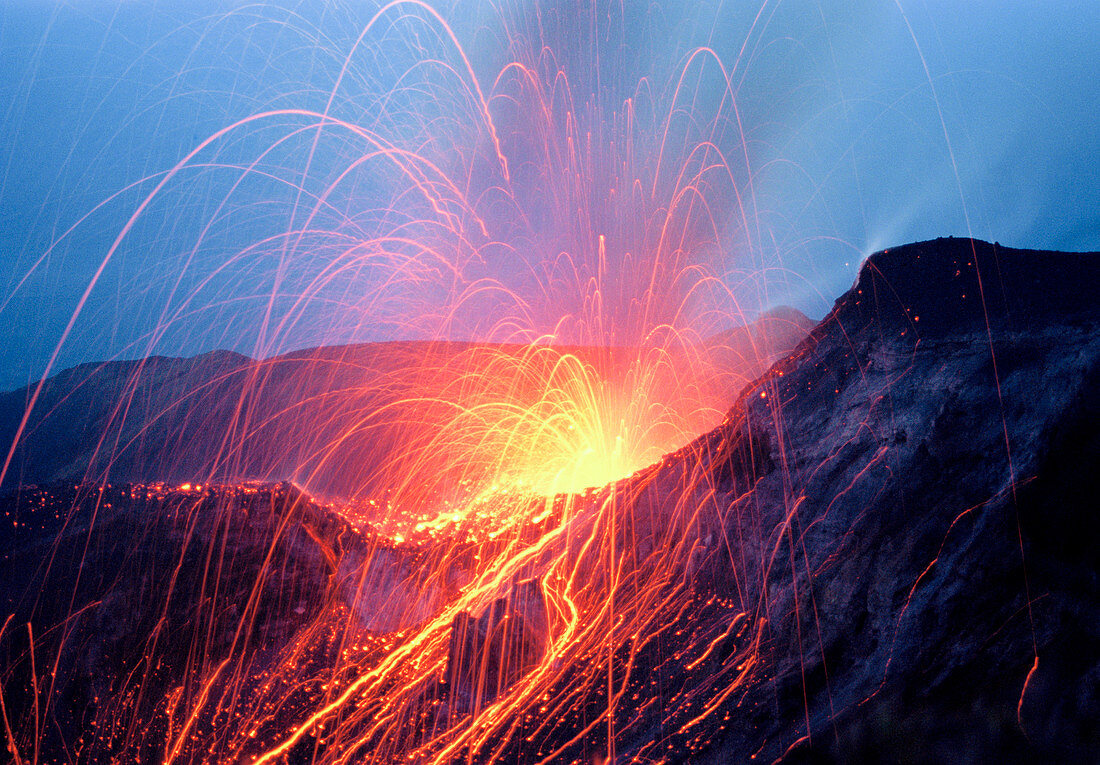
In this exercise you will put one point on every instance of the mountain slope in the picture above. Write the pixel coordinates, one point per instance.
(912, 544)
(885, 552)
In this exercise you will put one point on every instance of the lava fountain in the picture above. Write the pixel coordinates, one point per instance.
(564, 238)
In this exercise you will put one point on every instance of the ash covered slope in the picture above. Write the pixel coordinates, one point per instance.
(922, 520)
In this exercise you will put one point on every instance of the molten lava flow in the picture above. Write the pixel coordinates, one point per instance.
(526, 594)
(506, 592)
(544, 421)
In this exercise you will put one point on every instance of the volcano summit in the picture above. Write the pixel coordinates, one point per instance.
(884, 552)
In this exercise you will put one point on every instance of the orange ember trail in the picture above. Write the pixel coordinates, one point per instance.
(502, 573)
(448, 416)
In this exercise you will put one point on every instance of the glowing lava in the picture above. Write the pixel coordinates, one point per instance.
(581, 234)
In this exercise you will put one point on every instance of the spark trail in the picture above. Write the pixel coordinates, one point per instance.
(579, 224)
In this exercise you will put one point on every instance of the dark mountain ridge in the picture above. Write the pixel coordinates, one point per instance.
(927, 457)
(898, 521)
(223, 416)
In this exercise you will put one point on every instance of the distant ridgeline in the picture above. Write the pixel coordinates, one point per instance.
(325, 417)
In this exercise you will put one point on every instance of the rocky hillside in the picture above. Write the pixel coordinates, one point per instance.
(888, 554)
(915, 527)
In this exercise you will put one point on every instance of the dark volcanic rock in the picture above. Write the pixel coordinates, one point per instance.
(122, 599)
(919, 543)
(490, 652)
(891, 556)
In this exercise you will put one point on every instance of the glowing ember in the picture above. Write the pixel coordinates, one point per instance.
(492, 597)
(504, 529)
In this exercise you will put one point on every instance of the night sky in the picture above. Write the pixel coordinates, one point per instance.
(858, 126)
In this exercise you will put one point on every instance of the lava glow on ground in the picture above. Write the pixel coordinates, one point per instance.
(566, 218)
(575, 233)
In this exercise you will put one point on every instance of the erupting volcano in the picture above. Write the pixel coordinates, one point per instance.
(450, 411)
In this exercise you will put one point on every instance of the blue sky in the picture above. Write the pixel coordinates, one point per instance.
(859, 126)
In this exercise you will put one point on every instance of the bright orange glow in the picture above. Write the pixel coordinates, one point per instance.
(537, 420)
(502, 588)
